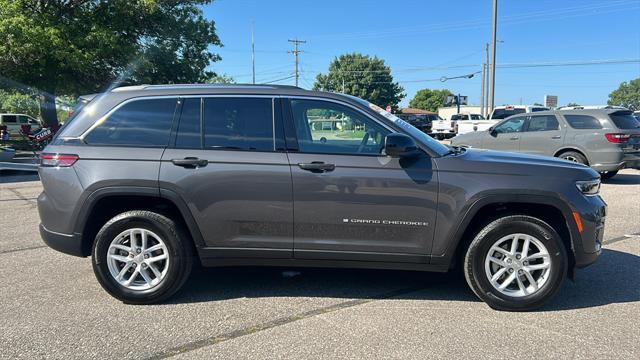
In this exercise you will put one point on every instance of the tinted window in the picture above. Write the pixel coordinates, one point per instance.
(10, 119)
(543, 123)
(330, 128)
(625, 121)
(188, 132)
(503, 113)
(138, 123)
(583, 122)
(238, 123)
(459, 117)
(477, 117)
(536, 109)
(510, 126)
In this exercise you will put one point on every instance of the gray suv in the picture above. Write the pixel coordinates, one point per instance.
(150, 180)
(605, 139)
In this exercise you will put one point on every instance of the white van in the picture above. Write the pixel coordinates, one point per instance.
(13, 122)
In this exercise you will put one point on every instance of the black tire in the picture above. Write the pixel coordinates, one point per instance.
(179, 248)
(574, 156)
(608, 174)
(474, 262)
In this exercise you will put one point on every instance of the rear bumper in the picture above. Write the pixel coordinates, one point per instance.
(626, 161)
(66, 243)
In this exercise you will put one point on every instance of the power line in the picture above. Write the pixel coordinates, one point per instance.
(295, 53)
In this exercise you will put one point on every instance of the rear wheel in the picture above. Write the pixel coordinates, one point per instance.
(516, 263)
(608, 174)
(575, 157)
(141, 257)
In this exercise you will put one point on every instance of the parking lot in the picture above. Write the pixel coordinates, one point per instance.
(52, 307)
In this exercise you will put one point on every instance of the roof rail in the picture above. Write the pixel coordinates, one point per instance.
(203, 86)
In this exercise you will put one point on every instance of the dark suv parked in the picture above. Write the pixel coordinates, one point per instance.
(148, 180)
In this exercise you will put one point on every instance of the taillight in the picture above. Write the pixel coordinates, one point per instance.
(59, 160)
(617, 138)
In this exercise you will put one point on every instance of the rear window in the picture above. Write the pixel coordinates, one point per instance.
(536, 109)
(459, 117)
(503, 113)
(583, 122)
(188, 133)
(238, 123)
(625, 121)
(137, 123)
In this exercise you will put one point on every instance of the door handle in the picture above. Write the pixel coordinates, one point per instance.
(556, 137)
(317, 166)
(514, 138)
(190, 162)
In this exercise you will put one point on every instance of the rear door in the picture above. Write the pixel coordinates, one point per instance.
(228, 164)
(542, 135)
(352, 202)
(506, 135)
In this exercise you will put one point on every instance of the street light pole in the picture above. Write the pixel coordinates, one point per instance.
(493, 55)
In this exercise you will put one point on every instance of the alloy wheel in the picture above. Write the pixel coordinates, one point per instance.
(518, 265)
(138, 259)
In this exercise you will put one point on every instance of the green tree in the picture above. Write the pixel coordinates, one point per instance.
(220, 79)
(19, 103)
(571, 104)
(362, 76)
(538, 104)
(428, 99)
(627, 95)
(82, 46)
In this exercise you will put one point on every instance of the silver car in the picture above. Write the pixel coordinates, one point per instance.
(605, 139)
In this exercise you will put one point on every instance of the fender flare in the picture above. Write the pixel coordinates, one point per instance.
(455, 235)
(89, 201)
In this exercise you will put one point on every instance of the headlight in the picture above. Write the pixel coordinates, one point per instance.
(589, 187)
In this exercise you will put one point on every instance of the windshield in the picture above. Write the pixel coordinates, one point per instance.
(411, 130)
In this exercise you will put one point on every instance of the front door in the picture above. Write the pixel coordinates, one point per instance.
(351, 202)
(542, 135)
(505, 135)
(226, 166)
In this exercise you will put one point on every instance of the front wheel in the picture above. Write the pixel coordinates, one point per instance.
(141, 257)
(516, 263)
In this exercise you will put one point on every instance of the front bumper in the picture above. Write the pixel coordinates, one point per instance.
(67, 243)
(587, 244)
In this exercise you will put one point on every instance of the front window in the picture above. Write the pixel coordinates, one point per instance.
(329, 128)
(510, 126)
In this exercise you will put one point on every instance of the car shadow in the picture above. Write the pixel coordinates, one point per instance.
(612, 279)
(623, 179)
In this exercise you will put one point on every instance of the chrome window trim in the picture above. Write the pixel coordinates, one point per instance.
(172, 96)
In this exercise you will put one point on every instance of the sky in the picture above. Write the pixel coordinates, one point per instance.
(425, 40)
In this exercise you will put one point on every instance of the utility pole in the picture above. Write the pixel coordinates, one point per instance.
(493, 55)
(484, 66)
(486, 85)
(253, 51)
(295, 52)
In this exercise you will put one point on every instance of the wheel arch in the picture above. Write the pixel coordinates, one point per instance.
(572, 148)
(102, 204)
(487, 209)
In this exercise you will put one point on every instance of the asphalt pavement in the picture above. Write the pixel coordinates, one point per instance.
(51, 306)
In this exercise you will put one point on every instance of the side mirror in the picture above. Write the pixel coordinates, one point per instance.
(492, 131)
(400, 145)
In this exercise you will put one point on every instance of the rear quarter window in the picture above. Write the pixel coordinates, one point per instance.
(583, 122)
(625, 121)
(137, 123)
